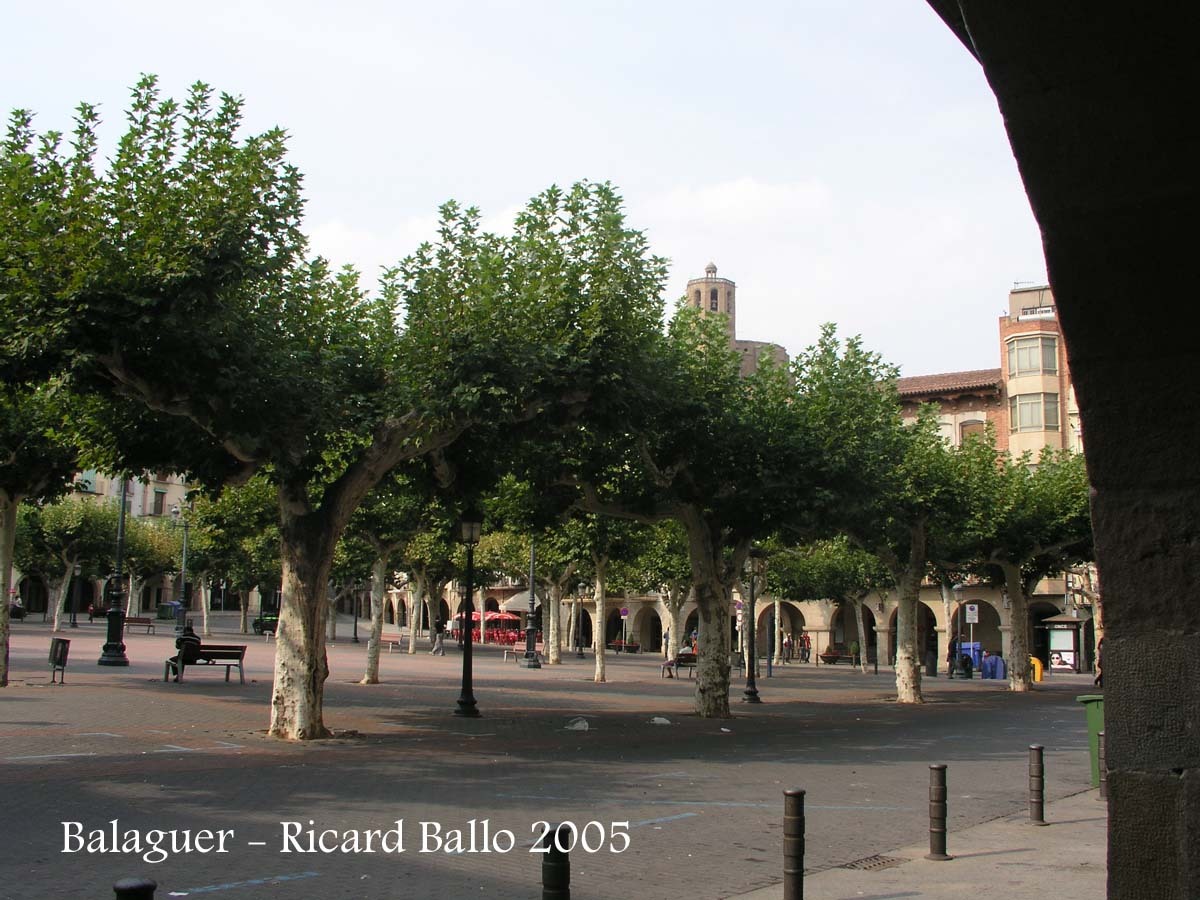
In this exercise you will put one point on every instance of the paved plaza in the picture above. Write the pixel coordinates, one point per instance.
(702, 799)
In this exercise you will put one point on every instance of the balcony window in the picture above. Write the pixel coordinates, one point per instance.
(1033, 412)
(1033, 356)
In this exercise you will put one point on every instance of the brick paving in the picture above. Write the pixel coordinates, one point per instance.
(702, 797)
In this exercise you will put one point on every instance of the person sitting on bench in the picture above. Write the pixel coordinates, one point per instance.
(188, 645)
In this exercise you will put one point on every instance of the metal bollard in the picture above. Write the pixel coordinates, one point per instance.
(135, 889)
(937, 813)
(556, 866)
(1103, 768)
(1037, 786)
(793, 845)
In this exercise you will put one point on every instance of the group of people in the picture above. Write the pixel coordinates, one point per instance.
(801, 647)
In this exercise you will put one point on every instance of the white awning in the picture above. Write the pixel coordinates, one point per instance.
(519, 602)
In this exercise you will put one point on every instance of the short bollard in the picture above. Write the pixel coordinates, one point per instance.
(1037, 786)
(1103, 768)
(793, 845)
(937, 813)
(556, 865)
(135, 889)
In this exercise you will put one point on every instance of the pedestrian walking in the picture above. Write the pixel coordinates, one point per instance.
(439, 646)
(805, 647)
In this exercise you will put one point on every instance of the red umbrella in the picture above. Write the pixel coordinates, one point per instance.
(494, 616)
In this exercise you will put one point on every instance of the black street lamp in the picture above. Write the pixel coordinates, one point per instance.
(75, 596)
(471, 527)
(758, 565)
(181, 612)
(357, 598)
(530, 659)
(113, 653)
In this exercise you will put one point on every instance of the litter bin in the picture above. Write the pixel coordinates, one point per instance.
(1093, 706)
(59, 648)
(1036, 665)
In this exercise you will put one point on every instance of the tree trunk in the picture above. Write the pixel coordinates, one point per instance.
(552, 625)
(205, 602)
(601, 596)
(676, 598)
(572, 614)
(416, 596)
(712, 664)
(8, 536)
(331, 617)
(59, 590)
(301, 666)
(133, 601)
(378, 577)
(862, 634)
(908, 669)
(244, 609)
(1019, 672)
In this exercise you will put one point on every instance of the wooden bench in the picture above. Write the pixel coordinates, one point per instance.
(518, 653)
(140, 622)
(832, 659)
(624, 647)
(682, 661)
(227, 655)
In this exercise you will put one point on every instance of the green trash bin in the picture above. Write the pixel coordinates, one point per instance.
(1093, 707)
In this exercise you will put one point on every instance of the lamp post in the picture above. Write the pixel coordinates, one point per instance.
(758, 564)
(530, 659)
(75, 597)
(955, 667)
(181, 612)
(113, 653)
(357, 595)
(471, 526)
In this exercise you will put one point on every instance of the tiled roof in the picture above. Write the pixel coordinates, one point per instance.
(949, 382)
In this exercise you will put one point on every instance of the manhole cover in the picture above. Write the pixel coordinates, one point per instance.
(874, 862)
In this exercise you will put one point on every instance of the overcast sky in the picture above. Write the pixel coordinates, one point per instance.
(840, 161)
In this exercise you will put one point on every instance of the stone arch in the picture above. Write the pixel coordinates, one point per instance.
(844, 628)
(613, 626)
(647, 628)
(1039, 638)
(34, 595)
(986, 631)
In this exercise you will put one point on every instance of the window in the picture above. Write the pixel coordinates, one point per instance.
(712, 299)
(966, 429)
(1033, 356)
(160, 503)
(697, 300)
(1033, 412)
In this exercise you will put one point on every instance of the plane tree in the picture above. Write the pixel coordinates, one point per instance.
(1029, 518)
(151, 550)
(830, 570)
(37, 463)
(56, 538)
(732, 459)
(661, 565)
(187, 288)
(909, 490)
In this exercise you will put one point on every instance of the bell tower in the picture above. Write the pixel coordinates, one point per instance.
(712, 296)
